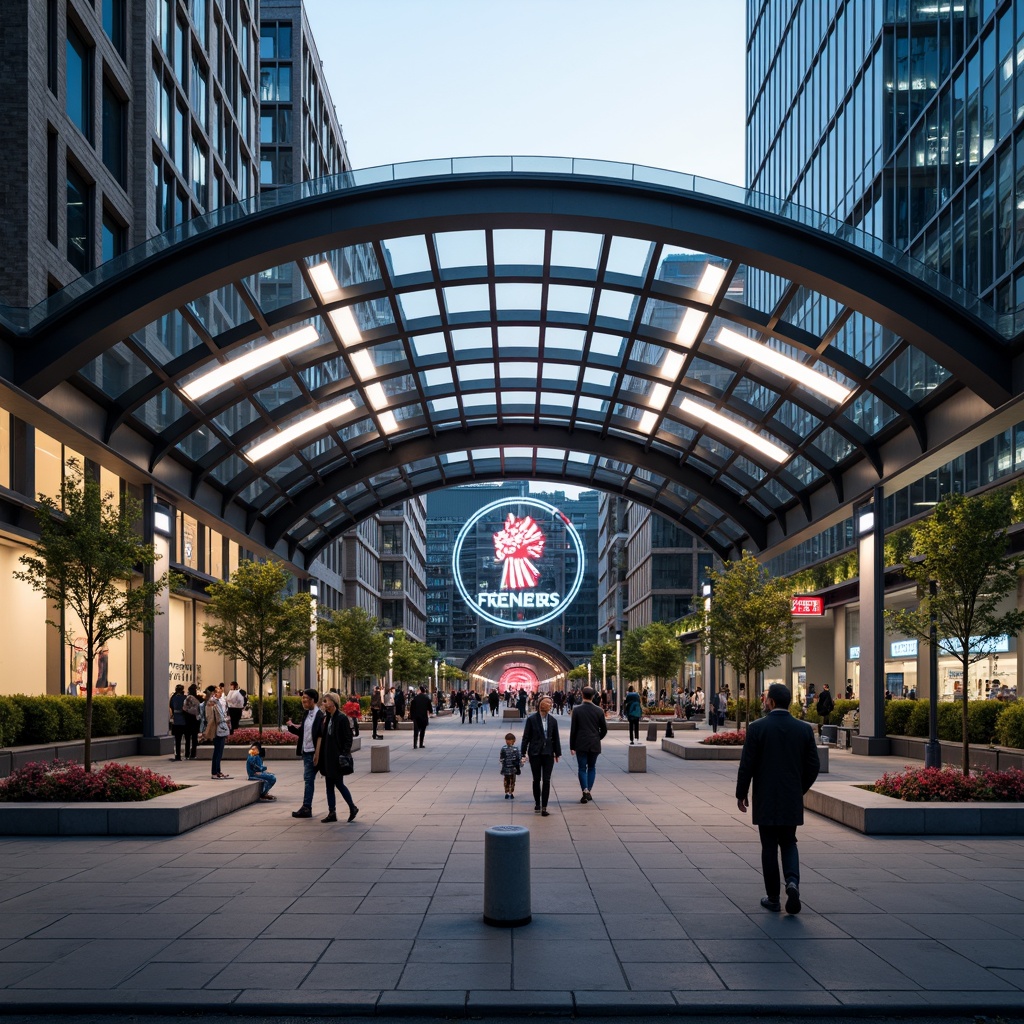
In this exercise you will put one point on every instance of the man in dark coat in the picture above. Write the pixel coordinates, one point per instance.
(419, 711)
(781, 759)
(825, 705)
(541, 747)
(586, 730)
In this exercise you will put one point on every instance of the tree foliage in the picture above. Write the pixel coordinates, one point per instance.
(256, 622)
(961, 549)
(750, 623)
(91, 559)
(350, 640)
(412, 661)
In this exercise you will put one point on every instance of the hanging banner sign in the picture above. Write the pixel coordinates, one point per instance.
(807, 605)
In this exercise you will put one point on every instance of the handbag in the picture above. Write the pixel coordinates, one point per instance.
(345, 764)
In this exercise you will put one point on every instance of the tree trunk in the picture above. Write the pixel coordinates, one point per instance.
(260, 724)
(966, 741)
(87, 751)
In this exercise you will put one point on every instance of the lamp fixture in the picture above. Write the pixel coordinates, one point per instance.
(693, 319)
(362, 364)
(300, 428)
(783, 365)
(251, 360)
(729, 426)
(328, 290)
(865, 520)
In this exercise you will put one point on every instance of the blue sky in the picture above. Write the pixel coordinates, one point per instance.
(658, 82)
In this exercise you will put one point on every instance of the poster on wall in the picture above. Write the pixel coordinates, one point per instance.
(101, 684)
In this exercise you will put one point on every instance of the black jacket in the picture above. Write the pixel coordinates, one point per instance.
(336, 739)
(781, 758)
(587, 728)
(420, 708)
(318, 724)
(534, 743)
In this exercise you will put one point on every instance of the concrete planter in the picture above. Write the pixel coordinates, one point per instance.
(877, 815)
(105, 748)
(167, 815)
(276, 753)
(982, 755)
(701, 751)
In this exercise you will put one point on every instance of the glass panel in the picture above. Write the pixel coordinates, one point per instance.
(566, 339)
(575, 249)
(198, 443)
(116, 370)
(467, 298)
(461, 249)
(240, 415)
(407, 255)
(472, 339)
(221, 310)
(510, 338)
(833, 444)
(517, 296)
(428, 345)
(570, 299)
(718, 377)
(227, 470)
(516, 247)
(629, 256)
(415, 305)
(620, 305)
(280, 286)
(161, 410)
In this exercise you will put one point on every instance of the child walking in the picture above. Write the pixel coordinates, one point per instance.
(511, 765)
(256, 770)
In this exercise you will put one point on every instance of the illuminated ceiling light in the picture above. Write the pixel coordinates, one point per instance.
(711, 280)
(733, 429)
(784, 365)
(375, 393)
(325, 283)
(300, 428)
(659, 396)
(647, 421)
(252, 360)
(671, 365)
(344, 321)
(693, 319)
(362, 364)
(388, 423)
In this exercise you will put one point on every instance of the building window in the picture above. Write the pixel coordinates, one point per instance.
(113, 237)
(115, 133)
(78, 98)
(276, 84)
(52, 187)
(391, 576)
(78, 221)
(114, 23)
(275, 41)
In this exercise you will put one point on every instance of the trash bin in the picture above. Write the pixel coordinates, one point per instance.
(507, 876)
(829, 733)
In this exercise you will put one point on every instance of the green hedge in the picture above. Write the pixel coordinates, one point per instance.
(52, 718)
(732, 706)
(292, 710)
(910, 718)
(1010, 726)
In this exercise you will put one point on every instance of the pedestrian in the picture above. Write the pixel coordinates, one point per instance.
(521, 703)
(352, 710)
(541, 748)
(493, 700)
(216, 732)
(586, 730)
(511, 765)
(191, 709)
(176, 708)
(825, 704)
(719, 710)
(419, 712)
(334, 757)
(780, 758)
(400, 704)
(376, 711)
(308, 734)
(474, 706)
(388, 701)
(256, 770)
(633, 710)
(235, 701)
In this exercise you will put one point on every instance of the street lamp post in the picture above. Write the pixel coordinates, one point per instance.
(709, 696)
(604, 670)
(589, 674)
(391, 660)
(618, 668)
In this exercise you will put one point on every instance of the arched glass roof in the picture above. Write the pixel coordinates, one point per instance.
(332, 350)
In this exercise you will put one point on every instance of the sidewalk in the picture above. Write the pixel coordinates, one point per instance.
(644, 901)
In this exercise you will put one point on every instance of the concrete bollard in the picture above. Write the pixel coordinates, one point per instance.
(507, 876)
(652, 732)
(823, 759)
(636, 759)
(380, 759)
(668, 731)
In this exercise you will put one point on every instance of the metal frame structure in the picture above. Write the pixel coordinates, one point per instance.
(505, 317)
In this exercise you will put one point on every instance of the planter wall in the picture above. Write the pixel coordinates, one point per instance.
(996, 758)
(107, 748)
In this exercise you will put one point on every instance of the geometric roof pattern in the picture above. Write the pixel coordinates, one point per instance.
(308, 357)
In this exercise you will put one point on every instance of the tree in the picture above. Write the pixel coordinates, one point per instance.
(661, 653)
(579, 674)
(961, 549)
(90, 559)
(352, 642)
(750, 624)
(412, 662)
(255, 622)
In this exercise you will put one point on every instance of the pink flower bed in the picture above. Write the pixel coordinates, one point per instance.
(270, 738)
(949, 785)
(69, 782)
(726, 739)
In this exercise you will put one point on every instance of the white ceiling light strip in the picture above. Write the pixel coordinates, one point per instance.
(729, 426)
(299, 429)
(784, 365)
(693, 319)
(251, 360)
(328, 290)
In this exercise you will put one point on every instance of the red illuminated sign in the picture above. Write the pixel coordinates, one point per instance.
(515, 545)
(807, 605)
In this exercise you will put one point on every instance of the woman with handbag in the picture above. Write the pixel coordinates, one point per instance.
(333, 757)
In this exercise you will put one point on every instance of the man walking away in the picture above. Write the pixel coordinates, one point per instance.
(586, 730)
(419, 712)
(633, 710)
(781, 759)
(236, 704)
(825, 704)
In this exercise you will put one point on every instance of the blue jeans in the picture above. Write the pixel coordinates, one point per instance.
(267, 781)
(338, 783)
(586, 762)
(218, 753)
(308, 779)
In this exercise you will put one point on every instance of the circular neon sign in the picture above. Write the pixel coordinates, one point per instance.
(515, 589)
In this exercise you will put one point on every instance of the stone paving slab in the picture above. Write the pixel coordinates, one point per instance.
(645, 902)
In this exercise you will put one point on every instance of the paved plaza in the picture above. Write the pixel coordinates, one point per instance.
(644, 901)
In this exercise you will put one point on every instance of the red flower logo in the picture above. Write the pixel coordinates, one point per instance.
(520, 541)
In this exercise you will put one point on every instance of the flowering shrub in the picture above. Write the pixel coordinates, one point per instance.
(69, 782)
(726, 739)
(947, 785)
(270, 738)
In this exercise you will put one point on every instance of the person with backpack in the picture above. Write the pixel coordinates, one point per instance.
(191, 709)
(633, 710)
(825, 704)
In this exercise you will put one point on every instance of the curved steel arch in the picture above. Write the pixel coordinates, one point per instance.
(829, 445)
